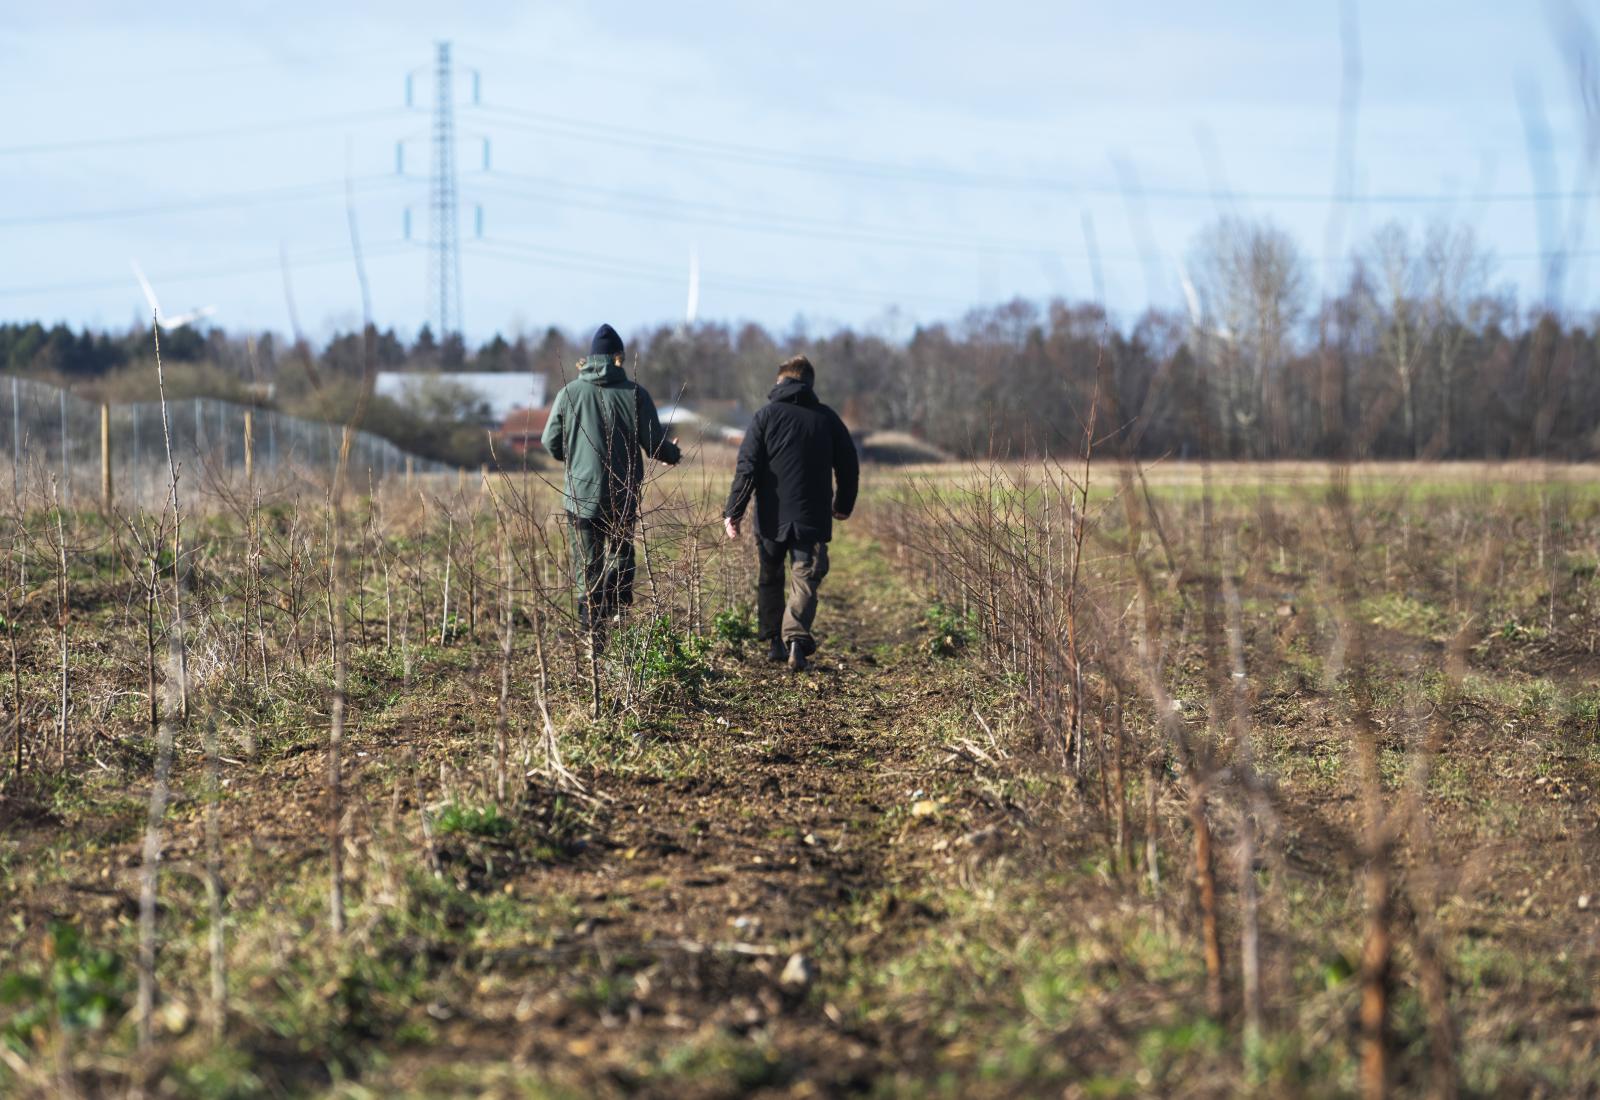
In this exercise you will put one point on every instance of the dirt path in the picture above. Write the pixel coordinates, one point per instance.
(737, 854)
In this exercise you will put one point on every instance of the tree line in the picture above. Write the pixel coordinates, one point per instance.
(1418, 354)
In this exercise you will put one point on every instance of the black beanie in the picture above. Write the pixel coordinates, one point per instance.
(606, 342)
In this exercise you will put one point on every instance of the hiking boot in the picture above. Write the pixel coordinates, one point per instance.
(797, 657)
(776, 651)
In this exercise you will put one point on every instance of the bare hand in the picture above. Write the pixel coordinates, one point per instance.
(840, 515)
(731, 527)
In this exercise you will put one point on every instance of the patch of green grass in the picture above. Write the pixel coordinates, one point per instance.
(1320, 764)
(660, 654)
(1169, 1053)
(76, 988)
(1583, 709)
(1483, 962)
(221, 1073)
(999, 983)
(948, 630)
(482, 821)
(1407, 614)
(734, 625)
(723, 1063)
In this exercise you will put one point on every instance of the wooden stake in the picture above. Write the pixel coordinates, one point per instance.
(250, 448)
(105, 455)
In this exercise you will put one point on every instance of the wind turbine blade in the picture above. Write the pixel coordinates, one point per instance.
(144, 285)
(188, 318)
(1190, 295)
(694, 286)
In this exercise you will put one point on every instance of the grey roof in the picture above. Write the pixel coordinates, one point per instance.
(501, 391)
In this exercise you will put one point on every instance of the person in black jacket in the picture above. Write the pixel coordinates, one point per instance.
(795, 448)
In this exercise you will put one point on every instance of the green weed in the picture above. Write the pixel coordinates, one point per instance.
(77, 988)
(734, 625)
(949, 631)
(662, 654)
(484, 821)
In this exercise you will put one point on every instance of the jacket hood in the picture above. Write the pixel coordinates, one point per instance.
(794, 391)
(600, 370)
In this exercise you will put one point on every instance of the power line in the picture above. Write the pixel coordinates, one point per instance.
(298, 60)
(234, 200)
(316, 258)
(171, 136)
(654, 207)
(763, 156)
(660, 207)
(547, 257)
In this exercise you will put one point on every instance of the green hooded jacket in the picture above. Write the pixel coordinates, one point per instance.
(600, 426)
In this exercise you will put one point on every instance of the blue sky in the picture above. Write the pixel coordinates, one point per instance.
(877, 164)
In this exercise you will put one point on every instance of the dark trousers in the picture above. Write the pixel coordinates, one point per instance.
(603, 567)
(787, 611)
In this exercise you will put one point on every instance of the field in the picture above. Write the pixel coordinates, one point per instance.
(1262, 780)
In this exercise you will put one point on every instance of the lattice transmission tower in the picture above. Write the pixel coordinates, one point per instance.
(444, 243)
(444, 228)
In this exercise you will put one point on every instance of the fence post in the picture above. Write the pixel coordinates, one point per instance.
(66, 475)
(16, 439)
(408, 473)
(341, 462)
(133, 478)
(250, 450)
(105, 455)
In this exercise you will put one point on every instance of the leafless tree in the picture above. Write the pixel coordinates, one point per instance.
(1251, 279)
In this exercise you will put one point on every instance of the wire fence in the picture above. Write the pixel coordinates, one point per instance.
(83, 449)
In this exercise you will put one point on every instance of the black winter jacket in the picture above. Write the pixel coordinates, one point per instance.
(792, 452)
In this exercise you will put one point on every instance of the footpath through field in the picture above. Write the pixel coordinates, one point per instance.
(747, 852)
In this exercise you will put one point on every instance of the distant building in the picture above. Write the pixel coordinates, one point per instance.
(500, 392)
(521, 430)
(722, 421)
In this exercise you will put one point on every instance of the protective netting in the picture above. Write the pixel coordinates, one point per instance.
(52, 440)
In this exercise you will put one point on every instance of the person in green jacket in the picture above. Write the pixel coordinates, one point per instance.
(600, 426)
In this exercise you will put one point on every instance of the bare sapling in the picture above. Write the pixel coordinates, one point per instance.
(151, 863)
(58, 557)
(503, 718)
(449, 560)
(16, 600)
(142, 560)
(178, 693)
(337, 631)
(338, 625)
(554, 766)
(1196, 765)
(177, 534)
(1078, 504)
(1249, 815)
(471, 570)
(429, 846)
(215, 939)
(1377, 951)
(11, 645)
(1155, 770)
